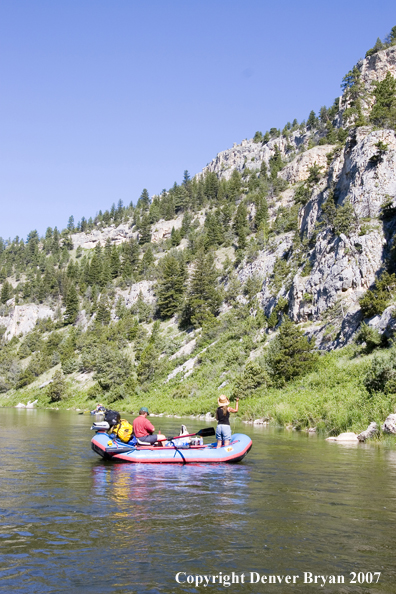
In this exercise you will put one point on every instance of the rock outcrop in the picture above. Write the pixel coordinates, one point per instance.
(371, 431)
(389, 425)
(21, 319)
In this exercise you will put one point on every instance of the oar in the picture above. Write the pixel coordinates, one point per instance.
(206, 432)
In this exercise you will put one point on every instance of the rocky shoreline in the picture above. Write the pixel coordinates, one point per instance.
(372, 431)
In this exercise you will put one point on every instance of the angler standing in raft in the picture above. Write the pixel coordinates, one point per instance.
(223, 430)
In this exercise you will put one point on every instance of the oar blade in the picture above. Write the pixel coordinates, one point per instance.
(206, 432)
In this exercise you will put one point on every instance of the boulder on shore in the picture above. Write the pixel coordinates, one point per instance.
(389, 425)
(349, 436)
(371, 431)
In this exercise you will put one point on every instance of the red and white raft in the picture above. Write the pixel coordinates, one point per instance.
(112, 449)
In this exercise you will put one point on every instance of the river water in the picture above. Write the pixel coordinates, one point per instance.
(72, 523)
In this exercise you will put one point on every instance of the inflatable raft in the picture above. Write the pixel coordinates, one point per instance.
(112, 449)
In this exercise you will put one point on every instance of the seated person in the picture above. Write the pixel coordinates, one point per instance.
(99, 409)
(144, 430)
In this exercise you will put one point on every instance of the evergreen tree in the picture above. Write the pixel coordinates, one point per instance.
(214, 234)
(6, 292)
(71, 305)
(95, 270)
(312, 120)
(147, 262)
(145, 230)
(275, 162)
(144, 200)
(291, 354)
(70, 224)
(240, 224)
(383, 113)
(261, 216)
(57, 388)
(234, 185)
(233, 288)
(103, 314)
(170, 288)
(211, 185)
(253, 377)
(106, 276)
(175, 237)
(114, 262)
(148, 363)
(203, 298)
(130, 258)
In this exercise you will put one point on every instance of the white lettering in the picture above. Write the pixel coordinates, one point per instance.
(190, 579)
(308, 577)
(177, 576)
(234, 578)
(254, 577)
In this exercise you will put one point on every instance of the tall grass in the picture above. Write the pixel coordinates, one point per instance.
(332, 398)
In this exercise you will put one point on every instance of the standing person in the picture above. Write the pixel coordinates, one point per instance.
(223, 430)
(144, 430)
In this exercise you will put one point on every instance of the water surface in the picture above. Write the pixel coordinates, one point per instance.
(72, 523)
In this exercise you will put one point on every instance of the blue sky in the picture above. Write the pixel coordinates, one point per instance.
(99, 99)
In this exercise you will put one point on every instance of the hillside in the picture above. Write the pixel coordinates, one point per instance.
(192, 291)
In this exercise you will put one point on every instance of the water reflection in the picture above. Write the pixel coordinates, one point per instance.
(71, 522)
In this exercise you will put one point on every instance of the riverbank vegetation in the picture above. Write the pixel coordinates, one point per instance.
(342, 390)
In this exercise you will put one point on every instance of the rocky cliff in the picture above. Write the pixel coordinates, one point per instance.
(325, 271)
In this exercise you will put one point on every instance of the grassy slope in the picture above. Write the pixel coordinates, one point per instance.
(332, 398)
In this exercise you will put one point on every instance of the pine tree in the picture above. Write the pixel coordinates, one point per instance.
(383, 113)
(147, 261)
(130, 258)
(71, 305)
(211, 185)
(204, 298)
(234, 185)
(275, 162)
(114, 262)
(261, 216)
(170, 288)
(70, 224)
(106, 276)
(253, 377)
(214, 235)
(145, 230)
(175, 237)
(6, 292)
(95, 270)
(57, 388)
(240, 225)
(312, 120)
(103, 314)
(291, 354)
(144, 200)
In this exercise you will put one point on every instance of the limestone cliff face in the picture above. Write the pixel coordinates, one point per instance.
(251, 155)
(342, 266)
(324, 286)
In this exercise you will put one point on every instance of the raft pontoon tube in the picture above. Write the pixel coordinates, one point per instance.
(112, 449)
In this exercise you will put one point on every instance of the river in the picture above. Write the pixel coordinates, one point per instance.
(72, 523)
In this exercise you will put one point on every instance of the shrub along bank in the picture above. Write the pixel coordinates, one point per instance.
(344, 392)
